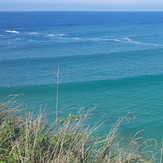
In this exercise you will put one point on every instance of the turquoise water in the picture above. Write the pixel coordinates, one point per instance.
(113, 60)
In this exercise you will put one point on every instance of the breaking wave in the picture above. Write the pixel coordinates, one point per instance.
(12, 31)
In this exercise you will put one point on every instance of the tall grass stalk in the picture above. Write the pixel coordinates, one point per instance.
(57, 92)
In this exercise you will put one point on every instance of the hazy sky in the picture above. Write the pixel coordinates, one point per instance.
(81, 5)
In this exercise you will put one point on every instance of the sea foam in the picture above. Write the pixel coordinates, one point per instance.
(127, 40)
(62, 35)
(12, 31)
(33, 33)
(50, 35)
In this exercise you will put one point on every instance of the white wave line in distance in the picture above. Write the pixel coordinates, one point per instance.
(12, 31)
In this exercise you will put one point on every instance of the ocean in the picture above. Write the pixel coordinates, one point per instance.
(111, 60)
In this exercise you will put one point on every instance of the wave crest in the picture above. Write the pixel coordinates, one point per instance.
(12, 31)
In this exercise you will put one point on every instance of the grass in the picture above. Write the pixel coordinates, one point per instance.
(29, 139)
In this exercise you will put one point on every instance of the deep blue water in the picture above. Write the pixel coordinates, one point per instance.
(110, 59)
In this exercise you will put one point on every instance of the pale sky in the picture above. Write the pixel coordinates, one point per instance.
(81, 5)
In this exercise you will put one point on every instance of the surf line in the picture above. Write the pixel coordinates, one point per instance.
(12, 31)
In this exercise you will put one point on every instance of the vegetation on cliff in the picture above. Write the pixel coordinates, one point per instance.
(25, 138)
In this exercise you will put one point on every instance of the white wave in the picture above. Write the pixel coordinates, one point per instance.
(98, 39)
(76, 38)
(33, 33)
(132, 41)
(142, 43)
(127, 40)
(122, 40)
(115, 40)
(50, 35)
(12, 31)
(104, 39)
(62, 35)
(154, 44)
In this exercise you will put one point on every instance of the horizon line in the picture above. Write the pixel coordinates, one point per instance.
(84, 11)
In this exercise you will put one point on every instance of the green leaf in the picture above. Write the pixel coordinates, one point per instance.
(71, 115)
(41, 138)
(11, 159)
(54, 140)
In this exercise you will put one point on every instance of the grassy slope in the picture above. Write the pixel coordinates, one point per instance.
(26, 139)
